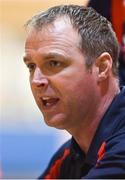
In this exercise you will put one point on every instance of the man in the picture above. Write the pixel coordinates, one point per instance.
(72, 52)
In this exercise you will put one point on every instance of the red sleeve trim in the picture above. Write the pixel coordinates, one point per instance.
(101, 152)
(55, 169)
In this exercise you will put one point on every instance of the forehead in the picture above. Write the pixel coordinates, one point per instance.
(60, 31)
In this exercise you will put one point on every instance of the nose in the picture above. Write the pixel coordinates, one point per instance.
(38, 79)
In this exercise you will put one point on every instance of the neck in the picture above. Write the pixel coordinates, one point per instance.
(84, 133)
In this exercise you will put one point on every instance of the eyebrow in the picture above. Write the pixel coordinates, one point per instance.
(53, 55)
(47, 56)
(26, 59)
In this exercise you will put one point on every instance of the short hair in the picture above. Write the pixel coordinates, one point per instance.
(96, 32)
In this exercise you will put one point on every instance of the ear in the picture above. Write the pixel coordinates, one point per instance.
(104, 65)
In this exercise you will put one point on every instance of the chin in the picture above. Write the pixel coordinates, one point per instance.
(58, 121)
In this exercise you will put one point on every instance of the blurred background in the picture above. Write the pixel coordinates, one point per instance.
(26, 143)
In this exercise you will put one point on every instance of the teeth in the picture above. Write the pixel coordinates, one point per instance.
(46, 98)
(49, 101)
(48, 104)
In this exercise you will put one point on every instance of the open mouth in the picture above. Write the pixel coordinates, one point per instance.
(49, 101)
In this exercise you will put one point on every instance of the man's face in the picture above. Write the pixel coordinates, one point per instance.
(64, 90)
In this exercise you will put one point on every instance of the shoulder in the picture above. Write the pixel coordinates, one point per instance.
(111, 158)
(53, 168)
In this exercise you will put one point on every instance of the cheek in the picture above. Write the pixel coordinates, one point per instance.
(76, 87)
(73, 94)
(79, 91)
(34, 92)
(32, 89)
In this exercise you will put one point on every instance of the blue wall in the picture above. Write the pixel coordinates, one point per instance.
(25, 155)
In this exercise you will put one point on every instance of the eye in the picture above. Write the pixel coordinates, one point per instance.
(51, 66)
(31, 66)
(54, 63)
